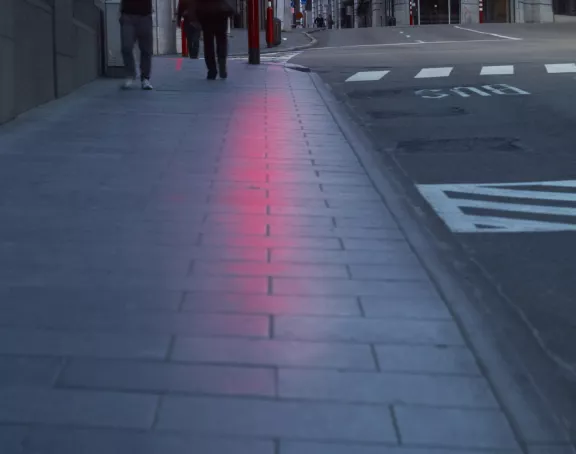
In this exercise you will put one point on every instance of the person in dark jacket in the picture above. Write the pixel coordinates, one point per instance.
(190, 27)
(213, 17)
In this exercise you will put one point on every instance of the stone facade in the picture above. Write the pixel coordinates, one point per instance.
(48, 48)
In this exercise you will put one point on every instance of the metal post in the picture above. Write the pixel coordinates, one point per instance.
(418, 12)
(449, 13)
(253, 33)
(269, 25)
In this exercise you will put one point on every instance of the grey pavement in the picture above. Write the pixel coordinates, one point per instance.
(208, 268)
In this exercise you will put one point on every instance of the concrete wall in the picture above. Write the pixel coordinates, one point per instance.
(48, 48)
(534, 11)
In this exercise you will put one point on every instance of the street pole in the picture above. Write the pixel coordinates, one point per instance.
(253, 33)
(418, 12)
(449, 13)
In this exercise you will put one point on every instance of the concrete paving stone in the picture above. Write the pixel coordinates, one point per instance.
(427, 359)
(103, 345)
(160, 377)
(12, 439)
(299, 200)
(410, 307)
(277, 419)
(351, 212)
(152, 322)
(329, 287)
(269, 269)
(97, 441)
(270, 242)
(280, 255)
(482, 429)
(27, 405)
(565, 449)
(337, 232)
(219, 218)
(384, 273)
(269, 304)
(379, 331)
(274, 353)
(375, 245)
(249, 228)
(365, 222)
(382, 388)
(296, 447)
(27, 371)
(230, 284)
(232, 254)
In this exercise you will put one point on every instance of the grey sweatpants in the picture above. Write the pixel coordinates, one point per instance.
(137, 29)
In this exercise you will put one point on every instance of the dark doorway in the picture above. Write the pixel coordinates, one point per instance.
(496, 11)
(437, 12)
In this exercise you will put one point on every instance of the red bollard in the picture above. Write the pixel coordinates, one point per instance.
(270, 25)
(481, 11)
(184, 40)
(253, 33)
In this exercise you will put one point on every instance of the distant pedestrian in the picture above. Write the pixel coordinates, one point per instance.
(136, 27)
(187, 18)
(330, 22)
(213, 17)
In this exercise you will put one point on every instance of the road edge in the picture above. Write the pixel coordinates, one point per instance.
(530, 410)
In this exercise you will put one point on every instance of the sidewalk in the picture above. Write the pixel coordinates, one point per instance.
(207, 268)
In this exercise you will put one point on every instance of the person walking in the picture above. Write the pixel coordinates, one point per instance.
(190, 27)
(213, 17)
(136, 27)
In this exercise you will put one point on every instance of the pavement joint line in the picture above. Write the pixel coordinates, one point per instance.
(511, 38)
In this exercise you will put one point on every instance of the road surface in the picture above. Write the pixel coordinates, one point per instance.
(480, 119)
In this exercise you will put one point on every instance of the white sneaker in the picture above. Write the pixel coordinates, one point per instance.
(146, 85)
(127, 84)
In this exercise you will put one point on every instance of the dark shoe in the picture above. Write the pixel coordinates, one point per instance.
(211, 75)
(222, 69)
(194, 57)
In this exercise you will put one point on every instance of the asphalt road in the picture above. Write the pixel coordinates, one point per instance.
(474, 130)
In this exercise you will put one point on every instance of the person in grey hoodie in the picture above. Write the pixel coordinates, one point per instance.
(213, 17)
(136, 27)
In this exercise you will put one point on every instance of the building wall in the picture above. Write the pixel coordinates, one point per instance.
(48, 48)
(536, 11)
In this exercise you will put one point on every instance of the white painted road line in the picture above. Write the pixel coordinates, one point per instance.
(454, 202)
(489, 34)
(428, 73)
(363, 76)
(497, 70)
(562, 68)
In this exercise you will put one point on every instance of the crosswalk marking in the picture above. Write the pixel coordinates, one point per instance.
(561, 68)
(488, 70)
(428, 73)
(367, 75)
(504, 207)
(497, 70)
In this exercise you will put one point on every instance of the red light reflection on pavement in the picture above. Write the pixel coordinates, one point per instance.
(241, 190)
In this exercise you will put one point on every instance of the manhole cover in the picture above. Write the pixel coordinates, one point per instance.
(370, 94)
(473, 144)
(391, 114)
